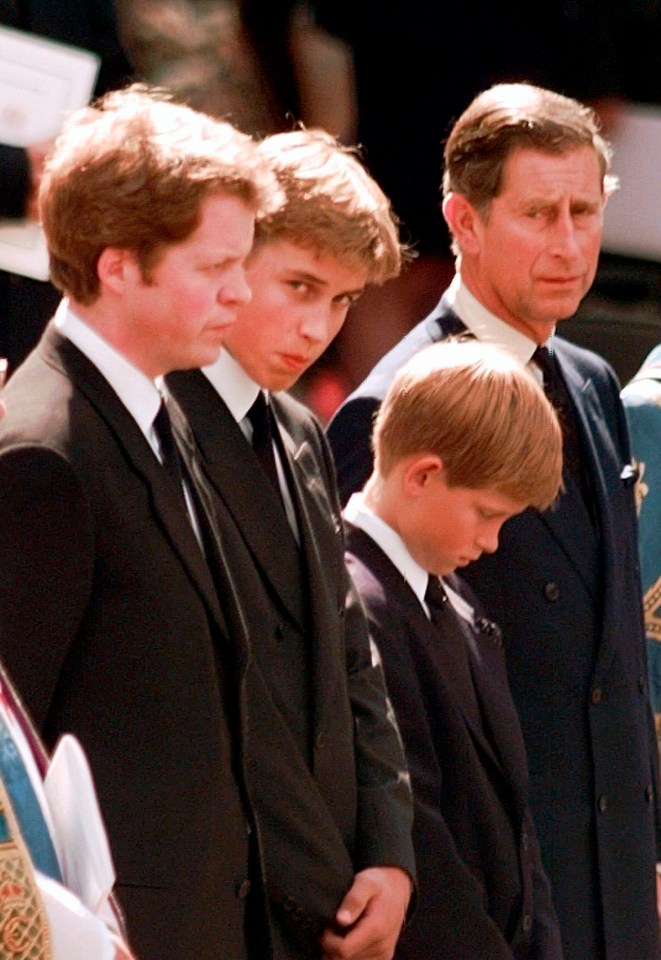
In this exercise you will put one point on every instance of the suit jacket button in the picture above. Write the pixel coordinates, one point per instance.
(321, 740)
(551, 591)
(243, 889)
(602, 804)
(526, 923)
(595, 696)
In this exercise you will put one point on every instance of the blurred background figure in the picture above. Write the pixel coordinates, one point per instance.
(263, 66)
(642, 402)
(26, 304)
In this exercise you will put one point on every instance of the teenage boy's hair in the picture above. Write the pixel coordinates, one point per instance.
(132, 171)
(482, 413)
(332, 204)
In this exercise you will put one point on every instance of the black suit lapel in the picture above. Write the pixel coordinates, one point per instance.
(321, 555)
(570, 522)
(167, 506)
(318, 526)
(236, 476)
(499, 714)
(423, 632)
(445, 323)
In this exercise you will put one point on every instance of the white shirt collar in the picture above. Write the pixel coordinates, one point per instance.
(360, 515)
(232, 383)
(391, 543)
(485, 326)
(138, 393)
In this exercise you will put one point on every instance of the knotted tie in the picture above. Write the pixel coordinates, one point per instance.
(556, 391)
(259, 416)
(452, 648)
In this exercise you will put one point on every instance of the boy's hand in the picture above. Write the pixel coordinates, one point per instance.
(372, 913)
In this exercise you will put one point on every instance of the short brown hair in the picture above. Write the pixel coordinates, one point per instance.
(511, 116)
(479, 410)
(132, 171)
(332, 204)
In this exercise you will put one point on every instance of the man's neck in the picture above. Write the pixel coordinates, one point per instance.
(480, 305)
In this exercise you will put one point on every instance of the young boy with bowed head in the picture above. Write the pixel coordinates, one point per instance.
(327, 774)
(464, 440)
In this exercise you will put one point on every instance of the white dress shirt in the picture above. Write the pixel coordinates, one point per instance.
(141, 396)
(360, 515)
(138, 393)
(488, 328)
(239, 392)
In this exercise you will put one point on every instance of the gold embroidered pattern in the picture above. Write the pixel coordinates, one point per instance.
(24, 933)
(652, 608)
(640, 489)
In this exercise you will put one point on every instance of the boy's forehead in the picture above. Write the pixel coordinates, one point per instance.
(316, 263)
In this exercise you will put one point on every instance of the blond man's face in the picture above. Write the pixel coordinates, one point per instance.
(299, 302)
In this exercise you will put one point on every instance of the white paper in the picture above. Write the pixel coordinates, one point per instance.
(80, 835)
(76, 934)
(41, 82)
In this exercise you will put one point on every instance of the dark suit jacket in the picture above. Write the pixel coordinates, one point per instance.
(325, 771)
(112, 629)
(566, 594)
(482, 889)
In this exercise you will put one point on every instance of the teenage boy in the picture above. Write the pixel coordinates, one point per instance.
(464, 440)
(327, 773)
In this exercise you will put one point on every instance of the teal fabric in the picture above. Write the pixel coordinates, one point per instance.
(26, 806)
(642, 401)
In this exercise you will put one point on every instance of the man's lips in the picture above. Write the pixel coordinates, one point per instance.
(294, 361)
(563, 281)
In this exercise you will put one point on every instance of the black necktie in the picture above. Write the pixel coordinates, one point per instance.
(170, 456)
(556, 391)
(180, 473)
(452, 648)
(185, 470)
(259, 416)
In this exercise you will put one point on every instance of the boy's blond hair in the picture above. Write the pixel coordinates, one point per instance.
(332, 204)
(479, 410)
(133, 171)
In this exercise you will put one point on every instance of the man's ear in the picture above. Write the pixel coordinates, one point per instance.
(420, 471)
(115, 267)
(463, 220)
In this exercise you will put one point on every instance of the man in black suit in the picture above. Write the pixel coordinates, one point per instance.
(327, 773)
(432, 503)
(119, 619)
(525, 184)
